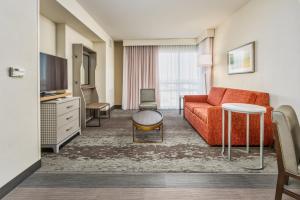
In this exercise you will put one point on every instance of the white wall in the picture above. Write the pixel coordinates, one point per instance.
(275, 26)
(100, 72)
(81, 14)
(59, 42)
(73, 37)
(110, 70)
(47, 36)
(19, 111)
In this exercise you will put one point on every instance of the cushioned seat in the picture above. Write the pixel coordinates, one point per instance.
(147, 99)
(148, 106)
(202, 112)
(287, 145)
(192, 105)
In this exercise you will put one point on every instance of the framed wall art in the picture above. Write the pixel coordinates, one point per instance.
(242, 59)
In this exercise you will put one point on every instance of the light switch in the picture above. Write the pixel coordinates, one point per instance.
(16, 72)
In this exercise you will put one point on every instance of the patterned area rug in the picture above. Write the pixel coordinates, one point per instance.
(109, 149)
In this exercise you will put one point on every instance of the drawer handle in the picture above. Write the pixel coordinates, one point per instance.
(68, 118)
(68, 107)
(69, 129)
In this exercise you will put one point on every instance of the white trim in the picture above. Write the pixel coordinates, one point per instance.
(38, 81)
(206, 34)
(171, 42)
(160, 42)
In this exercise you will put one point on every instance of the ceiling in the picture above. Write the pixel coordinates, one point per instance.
(58, 14)
(159, 19)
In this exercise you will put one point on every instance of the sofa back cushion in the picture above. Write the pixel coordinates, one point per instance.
(215, 95)
(239, 96)
(262, 99)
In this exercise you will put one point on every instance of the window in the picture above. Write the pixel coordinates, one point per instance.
(178, 74)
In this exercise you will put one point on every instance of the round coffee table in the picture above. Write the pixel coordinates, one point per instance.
(147, 120)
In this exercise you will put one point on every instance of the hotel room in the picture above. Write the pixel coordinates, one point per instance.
(140, 99)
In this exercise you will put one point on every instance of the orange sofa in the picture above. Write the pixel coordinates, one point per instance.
(204, 113)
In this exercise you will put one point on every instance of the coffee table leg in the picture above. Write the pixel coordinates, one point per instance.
(162, 132)
(229, 135)
(133, 133)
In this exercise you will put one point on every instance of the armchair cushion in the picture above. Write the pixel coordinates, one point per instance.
(282, 116)
(148, 106)
(147, 95)
(216, 95)
(238, 96)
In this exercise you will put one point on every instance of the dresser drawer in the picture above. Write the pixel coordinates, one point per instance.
(66, 130)
(67, 106)
(67, 118)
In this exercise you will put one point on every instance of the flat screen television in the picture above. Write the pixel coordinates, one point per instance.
(53, 73)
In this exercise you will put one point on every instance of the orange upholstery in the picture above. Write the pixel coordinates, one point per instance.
(195, 98)
(202, 111)
(238, 96)
(215, 96)
(193, 105)
(206, 117)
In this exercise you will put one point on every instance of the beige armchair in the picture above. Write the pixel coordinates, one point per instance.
(147, 99)
(287, 144)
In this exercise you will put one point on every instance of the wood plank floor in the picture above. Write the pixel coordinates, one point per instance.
(139, 194)
(178, 186)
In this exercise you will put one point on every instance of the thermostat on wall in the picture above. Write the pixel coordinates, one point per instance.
(16, 72)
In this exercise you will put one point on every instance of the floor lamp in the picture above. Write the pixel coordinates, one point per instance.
(205, 61)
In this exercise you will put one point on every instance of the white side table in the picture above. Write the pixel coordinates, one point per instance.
(247, 109)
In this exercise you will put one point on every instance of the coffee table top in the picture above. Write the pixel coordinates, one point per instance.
(243, 108)
(147, 117)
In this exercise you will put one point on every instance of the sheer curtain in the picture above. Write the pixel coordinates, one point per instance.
(179, 74)
(139, 71)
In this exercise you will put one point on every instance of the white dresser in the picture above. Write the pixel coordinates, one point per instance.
(60, 120)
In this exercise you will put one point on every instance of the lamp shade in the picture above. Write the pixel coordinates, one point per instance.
(204, 60)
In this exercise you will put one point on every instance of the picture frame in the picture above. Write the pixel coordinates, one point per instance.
(241, 60)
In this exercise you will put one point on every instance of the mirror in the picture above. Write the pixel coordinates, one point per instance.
(85, 70)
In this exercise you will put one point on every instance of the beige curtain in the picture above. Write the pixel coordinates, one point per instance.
(140, 67)
(205, 61)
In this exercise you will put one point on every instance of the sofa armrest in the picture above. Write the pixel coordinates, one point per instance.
(214, 115)
(268, 115)
(195, 98)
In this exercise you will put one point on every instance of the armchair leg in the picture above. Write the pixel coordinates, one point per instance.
(281, 180)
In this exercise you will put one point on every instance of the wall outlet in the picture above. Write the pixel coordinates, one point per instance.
(16, 72)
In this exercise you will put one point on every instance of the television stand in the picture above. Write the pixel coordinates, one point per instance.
(49, 97)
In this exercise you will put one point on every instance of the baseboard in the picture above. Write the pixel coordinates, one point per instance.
(8, 187)
(116, 107)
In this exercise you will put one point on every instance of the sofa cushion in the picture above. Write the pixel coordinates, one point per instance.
(215, 96)
(262, 99)
(192, 105)
(202, 112)
(239, 96)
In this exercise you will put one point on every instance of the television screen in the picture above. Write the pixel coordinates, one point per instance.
(53, 73)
